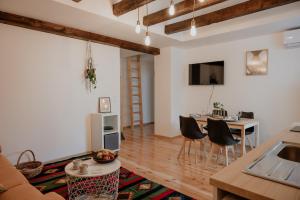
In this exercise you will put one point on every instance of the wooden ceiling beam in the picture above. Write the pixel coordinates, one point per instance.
(181, 8)
(48, 27)
(126, 6)
(238, 10)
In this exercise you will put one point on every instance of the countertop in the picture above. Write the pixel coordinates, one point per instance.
(233, 180)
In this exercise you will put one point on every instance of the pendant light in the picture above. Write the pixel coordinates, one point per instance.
(193, 31)
(138, 24)
(202, 1)
(172, 8)
(147, 38)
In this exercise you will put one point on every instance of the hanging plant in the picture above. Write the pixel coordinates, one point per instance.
(90, 72)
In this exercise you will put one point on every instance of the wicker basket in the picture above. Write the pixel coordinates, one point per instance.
(29, 169)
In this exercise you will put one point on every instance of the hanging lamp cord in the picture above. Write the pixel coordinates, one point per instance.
(194, 9)
(147, 13)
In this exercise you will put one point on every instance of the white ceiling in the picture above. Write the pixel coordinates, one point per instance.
(96, 16)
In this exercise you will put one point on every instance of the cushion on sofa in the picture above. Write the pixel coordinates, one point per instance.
(2, 188)
(10, 177)
(22, 192)
(53, 196)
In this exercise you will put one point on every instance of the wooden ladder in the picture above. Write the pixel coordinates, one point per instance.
(135, 91)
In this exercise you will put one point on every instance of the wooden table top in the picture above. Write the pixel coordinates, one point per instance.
(241, 122)
(232, 178)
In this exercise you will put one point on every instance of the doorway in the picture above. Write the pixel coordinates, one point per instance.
(129, 89)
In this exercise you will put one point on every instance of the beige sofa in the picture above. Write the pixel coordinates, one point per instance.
(18, 188)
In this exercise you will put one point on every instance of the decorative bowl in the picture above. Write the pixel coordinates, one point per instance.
(105, 156)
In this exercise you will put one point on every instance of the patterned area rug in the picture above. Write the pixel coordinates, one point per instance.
(131, 186)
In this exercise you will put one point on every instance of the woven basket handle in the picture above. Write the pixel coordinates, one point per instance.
(21, 155)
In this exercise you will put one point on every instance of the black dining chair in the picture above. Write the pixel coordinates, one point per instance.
(191, 132)
(249, 131)
(220, 135)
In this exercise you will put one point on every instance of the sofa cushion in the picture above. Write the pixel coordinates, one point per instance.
(2, 188)
(53, 196)
(22, 192)
(10, 177)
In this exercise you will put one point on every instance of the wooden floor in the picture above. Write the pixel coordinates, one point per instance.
(155, 158)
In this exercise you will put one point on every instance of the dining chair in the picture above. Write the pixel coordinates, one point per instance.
(191, 132)
(220, 136)
(248, 131)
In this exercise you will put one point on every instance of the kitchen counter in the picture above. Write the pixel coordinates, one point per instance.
(232, 180)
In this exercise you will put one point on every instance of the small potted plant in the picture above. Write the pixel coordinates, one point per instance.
(219, 109)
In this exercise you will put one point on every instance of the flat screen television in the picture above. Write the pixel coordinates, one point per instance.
(210, 73)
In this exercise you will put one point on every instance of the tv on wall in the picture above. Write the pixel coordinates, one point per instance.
(210, 73)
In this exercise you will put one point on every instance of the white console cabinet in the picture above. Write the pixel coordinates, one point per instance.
(105, 131)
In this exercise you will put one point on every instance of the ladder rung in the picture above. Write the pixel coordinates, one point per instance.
(135, 95)
(134, 86)
(137, 112)
(136, 103)
(136, 121)
(135, 77)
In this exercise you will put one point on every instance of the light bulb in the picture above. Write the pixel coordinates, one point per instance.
(138, 27)
(202, 1)
(172, 8)
(193, 28)
(147, 39)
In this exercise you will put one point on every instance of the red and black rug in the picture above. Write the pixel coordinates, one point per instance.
(131, 186)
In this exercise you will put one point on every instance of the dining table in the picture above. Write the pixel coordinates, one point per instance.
(241, 124)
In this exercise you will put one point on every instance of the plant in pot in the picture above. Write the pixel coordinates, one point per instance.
(219, 109)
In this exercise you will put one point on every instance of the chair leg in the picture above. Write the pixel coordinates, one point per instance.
(190, 147)
(195, 152)
(233, 152)
(200, 145)
(219, 152)
(249, 141)
(226, 155)
(182, 148)
(210, 154)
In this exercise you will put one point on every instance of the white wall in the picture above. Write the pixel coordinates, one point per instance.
(273, 98)
(147, 73)
(168, 98)
(44, 104)
(162, 97)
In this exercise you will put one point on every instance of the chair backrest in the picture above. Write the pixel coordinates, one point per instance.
(219, 132)
(248, 115)
(189, 127)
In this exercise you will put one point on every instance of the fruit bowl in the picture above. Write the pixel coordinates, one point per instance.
(105, 156)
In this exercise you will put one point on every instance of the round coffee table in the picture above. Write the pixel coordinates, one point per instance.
(100, 182)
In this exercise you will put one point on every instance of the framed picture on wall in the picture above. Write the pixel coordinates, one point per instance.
(257, 62)
(104, 105)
